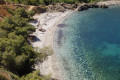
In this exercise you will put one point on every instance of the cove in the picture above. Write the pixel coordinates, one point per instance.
(87, 44)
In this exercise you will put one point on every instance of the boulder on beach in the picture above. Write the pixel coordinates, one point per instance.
(42, 30)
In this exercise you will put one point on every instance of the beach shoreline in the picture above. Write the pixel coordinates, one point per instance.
(52, 63)
(49, 22)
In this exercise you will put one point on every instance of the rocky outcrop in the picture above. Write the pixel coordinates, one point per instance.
(61, 7)
(55, 8)
(83, 7)
(86, 6)
(39, 9)
(70, 6)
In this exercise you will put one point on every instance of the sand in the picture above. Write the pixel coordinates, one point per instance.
(49, 22)
(110, 2)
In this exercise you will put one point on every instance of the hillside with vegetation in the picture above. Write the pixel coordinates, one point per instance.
(47, 2)
(17, 56)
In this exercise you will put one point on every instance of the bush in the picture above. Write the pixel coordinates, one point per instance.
(21, 12)
(70, 1)
(41, 2)
(35, 75)
(44, 53)
(34, 2)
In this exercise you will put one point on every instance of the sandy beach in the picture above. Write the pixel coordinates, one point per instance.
(49, 22)
(110, 2)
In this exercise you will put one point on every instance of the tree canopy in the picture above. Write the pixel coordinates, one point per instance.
(47, 2)
(16, 55)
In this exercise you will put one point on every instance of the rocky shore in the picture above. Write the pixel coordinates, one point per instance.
(61, 7)
(86, 6)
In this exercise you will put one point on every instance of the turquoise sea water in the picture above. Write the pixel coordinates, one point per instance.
(88, 45)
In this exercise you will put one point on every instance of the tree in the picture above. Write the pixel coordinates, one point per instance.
(16, 55)
(21, 12)
(34, 2)
(35, 75)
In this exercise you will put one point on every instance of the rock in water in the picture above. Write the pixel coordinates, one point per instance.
(83, 7)
(103, 6)
(86, 6)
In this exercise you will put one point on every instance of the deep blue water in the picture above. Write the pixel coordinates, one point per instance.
(88, 45)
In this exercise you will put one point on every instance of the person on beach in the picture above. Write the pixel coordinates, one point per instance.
(38, 24)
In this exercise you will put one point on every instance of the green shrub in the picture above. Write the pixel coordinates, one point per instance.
(70, 1)
(41, 2)
(35, 75)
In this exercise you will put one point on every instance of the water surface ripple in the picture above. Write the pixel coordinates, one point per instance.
(88, 45)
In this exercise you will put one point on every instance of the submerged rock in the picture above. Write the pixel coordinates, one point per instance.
(61, 25)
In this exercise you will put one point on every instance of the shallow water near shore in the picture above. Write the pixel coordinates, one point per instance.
(87, 44)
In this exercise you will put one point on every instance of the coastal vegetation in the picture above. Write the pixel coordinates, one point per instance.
(17, 57)
(47, 2)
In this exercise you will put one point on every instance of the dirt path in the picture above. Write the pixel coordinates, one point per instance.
(31, 7)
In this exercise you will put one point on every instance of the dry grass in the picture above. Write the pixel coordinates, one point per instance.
(4, 10)
(4, 75)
